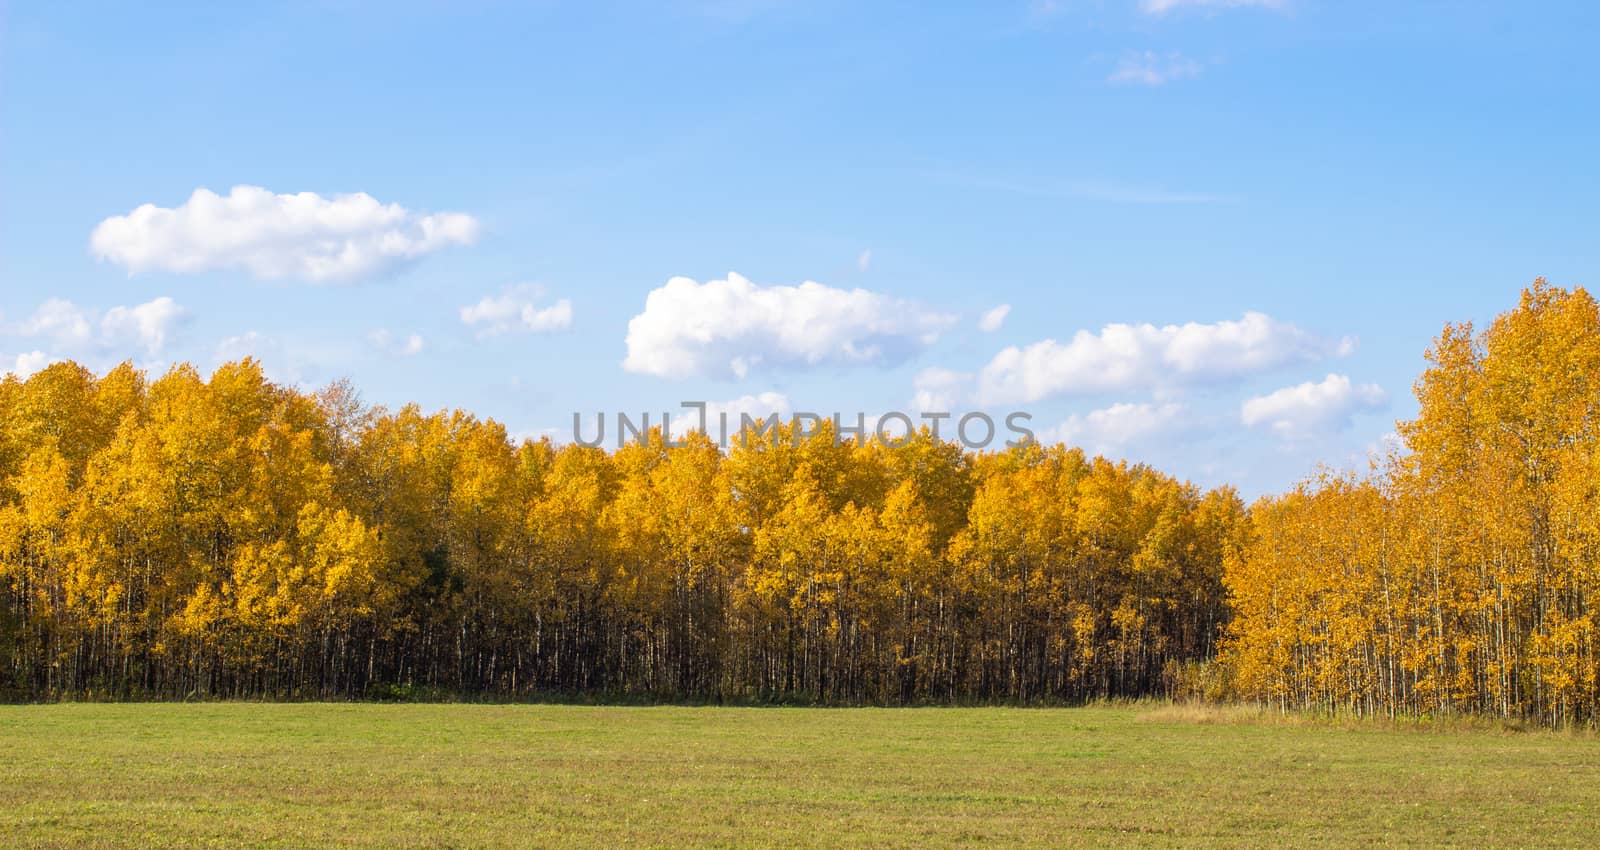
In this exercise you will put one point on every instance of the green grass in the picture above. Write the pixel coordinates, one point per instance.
(252, 775)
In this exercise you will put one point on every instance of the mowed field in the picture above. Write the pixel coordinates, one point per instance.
(350, 775)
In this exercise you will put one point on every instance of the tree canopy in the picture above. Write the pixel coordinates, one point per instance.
(228, 536)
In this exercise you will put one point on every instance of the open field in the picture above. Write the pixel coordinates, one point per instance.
(353, 775)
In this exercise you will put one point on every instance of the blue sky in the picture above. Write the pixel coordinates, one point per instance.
(1226, 231)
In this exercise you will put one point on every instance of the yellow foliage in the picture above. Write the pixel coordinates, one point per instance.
(1462, 576)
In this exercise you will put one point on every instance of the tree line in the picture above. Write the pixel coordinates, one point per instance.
(226, 536)
(1462, 574)
(229, 537)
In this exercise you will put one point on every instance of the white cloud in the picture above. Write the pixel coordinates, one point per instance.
(24, 365)
(727, 328)
(992, 320)
(304, 235)
(1109, 430)
(515, 310)
(62, 321)
(1150, 69)
(1122, 357)
(74, 331)
(1161, 7)
(146, 326)
(761, 406)
(1312, 407)
(864, 260)
(940, 390)
(385, 341)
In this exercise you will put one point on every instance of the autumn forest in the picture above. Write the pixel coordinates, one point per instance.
(228, 537)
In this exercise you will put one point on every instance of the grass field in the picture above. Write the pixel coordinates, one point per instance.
(250, 775)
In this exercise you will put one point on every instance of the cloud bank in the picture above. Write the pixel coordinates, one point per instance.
(761, 406)
(1124, 357)
(1312, 407)
(139, 329)
(1110, 430)
(729, 328)
(271, 236)
(59, 329)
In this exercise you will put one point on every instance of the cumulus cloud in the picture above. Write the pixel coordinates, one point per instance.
(1312, 407)
(761, 406)
(145, 326)
(24, 365)
(140, 329)
(727, 328)
(992, 320)
(61, 321)
(1122, 357)
(1110, 430)
(304, 235)
(1161, 7)
(1150, 69)
(388, 342)
(939, 390)
(516, 310)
